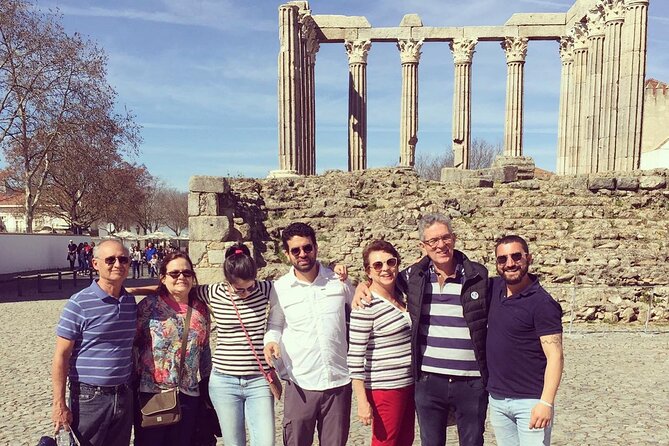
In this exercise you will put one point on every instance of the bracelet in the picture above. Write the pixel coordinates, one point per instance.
(546, 403)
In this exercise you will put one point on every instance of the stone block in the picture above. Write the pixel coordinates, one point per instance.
(533, 18)
(196, 251)
(216, 256)
(209, 228)
(598, 183)
(453, 175)
(627, 183)
(202, 183)
(411, 20)
(652, 182)
(341, 21)
(387, 34)
(434, 34)
(541, 31)
(207, 276)
(209, 204)
(524, 164)
(488, 32)
(505, 174)
(193, 204)
(470, 183)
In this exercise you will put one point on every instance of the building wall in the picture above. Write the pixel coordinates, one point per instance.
(32, 252)
(655, 118)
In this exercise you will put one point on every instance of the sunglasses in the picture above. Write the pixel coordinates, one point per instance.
(516, 257)
(391, 262)
(250, 289)
(123, 260)
(175, 274)
(433, 242)
(306, 248)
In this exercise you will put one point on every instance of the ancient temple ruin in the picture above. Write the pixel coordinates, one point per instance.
(601, 43)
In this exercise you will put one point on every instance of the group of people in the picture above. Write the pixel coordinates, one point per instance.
(82, 254)
(438, 339)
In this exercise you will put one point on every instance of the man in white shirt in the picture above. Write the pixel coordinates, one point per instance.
(306, 340)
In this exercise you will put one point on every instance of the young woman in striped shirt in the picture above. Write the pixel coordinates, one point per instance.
(379, 355)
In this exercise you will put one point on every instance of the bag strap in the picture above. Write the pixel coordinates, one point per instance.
(184, 340)
(246, 333)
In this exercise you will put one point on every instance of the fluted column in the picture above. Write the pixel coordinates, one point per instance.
(409, 56)
(463, 51)
(609, 143)
(577, 130)
(588, 163)
(357, 103)
(310, 48)
(566, 115)
(516, 50)
(290, 79)
(632, 78)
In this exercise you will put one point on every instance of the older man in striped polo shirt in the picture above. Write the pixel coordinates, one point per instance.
(94, 350)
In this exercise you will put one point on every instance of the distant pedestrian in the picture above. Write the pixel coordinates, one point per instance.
(71, 254)
(81, 258)
(154, 265)
(136, 257)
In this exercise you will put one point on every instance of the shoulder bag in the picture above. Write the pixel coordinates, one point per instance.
(163, 409)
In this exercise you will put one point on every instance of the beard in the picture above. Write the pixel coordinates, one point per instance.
(305, 267)
(513, 275)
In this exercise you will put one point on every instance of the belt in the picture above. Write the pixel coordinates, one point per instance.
(108, 390)
(452, 378)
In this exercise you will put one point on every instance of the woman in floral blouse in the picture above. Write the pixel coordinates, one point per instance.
(160, 326)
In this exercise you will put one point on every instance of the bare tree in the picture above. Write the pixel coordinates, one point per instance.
(481, 155)
(175, 209)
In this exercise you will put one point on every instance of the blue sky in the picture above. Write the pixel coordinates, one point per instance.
(201, 77)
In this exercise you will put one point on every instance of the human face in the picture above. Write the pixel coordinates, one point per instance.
(181, 285)
(242, 288)
(438, 243)
(302, 260)
(512, 271)
(379, 272)
(117, 271)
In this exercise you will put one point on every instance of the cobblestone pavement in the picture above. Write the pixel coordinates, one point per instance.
(614, 392)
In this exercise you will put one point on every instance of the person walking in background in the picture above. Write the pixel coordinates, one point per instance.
(71, 254)
(94, 341)
(81, 258)
(136, 256)
(154, 265)
(161, 321)
(379, 354)
(524, 349)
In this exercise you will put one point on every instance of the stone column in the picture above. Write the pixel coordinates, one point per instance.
(310, 48)
(290, 86)
(609, 143)
(566, 115)
(516, 50)
(632, 78)
(357, 103)
(409, 56)
(576, 140)
(588, 163)
(463, 51)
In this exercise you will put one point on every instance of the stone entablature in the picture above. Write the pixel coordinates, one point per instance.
(601, 98)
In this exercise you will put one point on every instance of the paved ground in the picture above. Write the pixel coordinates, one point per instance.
(615, 389)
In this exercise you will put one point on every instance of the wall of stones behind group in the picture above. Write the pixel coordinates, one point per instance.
(603, 252)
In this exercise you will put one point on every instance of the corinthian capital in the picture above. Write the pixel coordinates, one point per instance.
(308, 30)
(357, 50)
(566, 49)
(515, 48)
(580, 35)
(596, 22)
(463, 50)
(409, 50)
(614, 10)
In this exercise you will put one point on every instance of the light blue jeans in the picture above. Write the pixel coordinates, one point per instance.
(243, 398)
(510, 419)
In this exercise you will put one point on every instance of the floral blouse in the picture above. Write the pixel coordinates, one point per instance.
(158, 345)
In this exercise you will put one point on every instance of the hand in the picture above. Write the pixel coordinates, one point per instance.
(365, 412)
(362, 297)
(61, 416)
(540, 416)
(341, 271)
(271, 351)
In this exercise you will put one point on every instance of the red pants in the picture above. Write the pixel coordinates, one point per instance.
(393, 416)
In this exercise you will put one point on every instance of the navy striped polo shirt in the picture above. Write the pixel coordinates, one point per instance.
(103, 330)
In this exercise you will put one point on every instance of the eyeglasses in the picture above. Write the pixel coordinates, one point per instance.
(175, 274)
(123, 260)
(391, 262)
(516, 257)
(250, 289)
(306, 248)
(433, 242)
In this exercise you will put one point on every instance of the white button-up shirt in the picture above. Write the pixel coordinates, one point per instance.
(308, 321)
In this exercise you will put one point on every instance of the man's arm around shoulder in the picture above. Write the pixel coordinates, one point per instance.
(61, 415)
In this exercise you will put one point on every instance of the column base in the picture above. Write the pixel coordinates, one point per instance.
(525, 165)
(283, 174)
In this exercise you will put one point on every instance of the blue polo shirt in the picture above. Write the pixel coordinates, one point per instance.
(516, 361)
(103, 330)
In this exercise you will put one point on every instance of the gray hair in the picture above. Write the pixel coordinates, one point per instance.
(428, 220)
(96, 248)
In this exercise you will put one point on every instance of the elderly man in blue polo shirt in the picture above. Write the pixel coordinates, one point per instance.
(524, 349)
(94, 350)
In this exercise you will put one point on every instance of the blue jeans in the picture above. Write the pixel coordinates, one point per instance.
(101, 417)
(243, 398)
(510, 418)
(437, 394)
(135, 269)
(179, 434)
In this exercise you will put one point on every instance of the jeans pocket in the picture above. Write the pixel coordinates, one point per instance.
(476, 384)
(86, 396)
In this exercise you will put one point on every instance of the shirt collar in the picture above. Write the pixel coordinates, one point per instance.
(459, 271)
(294, 281)
(528, 291)
(102, 295)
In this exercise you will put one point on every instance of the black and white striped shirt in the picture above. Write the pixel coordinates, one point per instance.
(233, 355)
(379, 349)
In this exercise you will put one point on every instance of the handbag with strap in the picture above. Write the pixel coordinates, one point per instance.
(163, 409)
(272, 378)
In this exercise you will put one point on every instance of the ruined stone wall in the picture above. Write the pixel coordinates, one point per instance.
(655, 115)
(608, 233)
